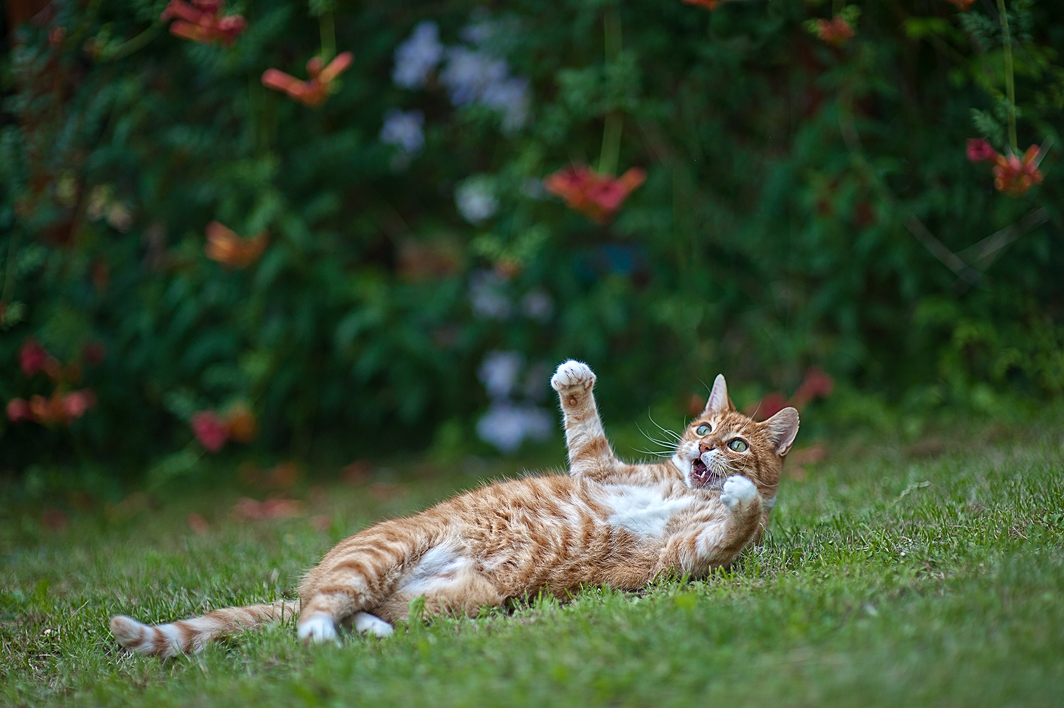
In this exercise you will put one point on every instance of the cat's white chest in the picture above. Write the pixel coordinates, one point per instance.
(642, 510)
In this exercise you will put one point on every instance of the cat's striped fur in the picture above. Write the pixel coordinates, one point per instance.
(606, 522)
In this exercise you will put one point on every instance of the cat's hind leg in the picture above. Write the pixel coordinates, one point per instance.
(365, 623)
(356, 576)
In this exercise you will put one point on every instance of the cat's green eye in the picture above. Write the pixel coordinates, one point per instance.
(737, 445)
(702, 429)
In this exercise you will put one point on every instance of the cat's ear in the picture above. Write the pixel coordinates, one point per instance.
(782, 429)
(718, 397)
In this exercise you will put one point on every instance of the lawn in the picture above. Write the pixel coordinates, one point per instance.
(928, 572)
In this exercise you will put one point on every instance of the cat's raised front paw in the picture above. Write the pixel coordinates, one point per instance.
(737, 490)
(572, 373)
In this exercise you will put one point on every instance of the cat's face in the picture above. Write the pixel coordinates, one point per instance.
(722, 442)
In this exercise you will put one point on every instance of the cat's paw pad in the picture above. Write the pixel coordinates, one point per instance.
(572, 373)
(318, 629)
(737, 490)
(365, 623)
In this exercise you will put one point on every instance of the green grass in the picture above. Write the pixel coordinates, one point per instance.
(927, 574)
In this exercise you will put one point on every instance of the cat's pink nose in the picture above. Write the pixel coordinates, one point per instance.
(704, 446)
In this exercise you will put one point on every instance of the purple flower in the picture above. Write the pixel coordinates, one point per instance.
(537, 305)
(506, 425)
(511, 98)
(417, 56)
(403, 130)
(499, 372)
(475, 199)
(487, 298)
(469, 73)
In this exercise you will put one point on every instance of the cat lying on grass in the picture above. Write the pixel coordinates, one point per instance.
(605, 523)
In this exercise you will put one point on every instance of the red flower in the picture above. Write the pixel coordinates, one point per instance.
(816, 384)
(94, 353)
(76, 404)
(210, 429)
(224, 246)
(200, 22)
(595, 196)
(770, 405)
(980, 150)
(241, 424)
(836, 31)
(314, 90)
(32, 357)
(1014, 175)
(708, 4)
(18, 409)
(962, 5)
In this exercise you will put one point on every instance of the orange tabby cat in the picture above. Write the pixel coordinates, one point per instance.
(606, 522)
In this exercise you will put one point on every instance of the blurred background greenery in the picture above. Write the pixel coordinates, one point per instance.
(829, 202)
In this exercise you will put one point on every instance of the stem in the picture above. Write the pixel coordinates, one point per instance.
(139, 42)
(328, 36)
(1010, 86)
(611, 131)
(611, 143)
(9, 270)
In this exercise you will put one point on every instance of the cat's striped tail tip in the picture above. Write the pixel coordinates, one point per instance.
(131, 634)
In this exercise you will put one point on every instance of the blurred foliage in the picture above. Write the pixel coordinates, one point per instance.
(805, 204)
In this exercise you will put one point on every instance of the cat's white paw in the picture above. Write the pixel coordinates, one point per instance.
(365, 623)
(318, 629)
(572, 373)
(737, 490)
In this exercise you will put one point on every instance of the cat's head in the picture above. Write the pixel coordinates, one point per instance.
(722, 442)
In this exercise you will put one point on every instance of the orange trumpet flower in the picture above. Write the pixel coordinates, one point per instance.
(199, 22)
(596, 196)
(224, 246)
(314, 90)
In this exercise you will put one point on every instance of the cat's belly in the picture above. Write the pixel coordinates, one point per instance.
(643, 511)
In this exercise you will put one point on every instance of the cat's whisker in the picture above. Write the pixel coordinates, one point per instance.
(671, 433)
(653, 453)
(752, 417)
(664, 443)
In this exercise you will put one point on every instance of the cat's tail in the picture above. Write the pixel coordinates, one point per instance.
(191, 635)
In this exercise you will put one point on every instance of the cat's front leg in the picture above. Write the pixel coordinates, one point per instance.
(718, 543)
(590, 453)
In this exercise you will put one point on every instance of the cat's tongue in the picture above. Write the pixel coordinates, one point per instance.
(699, 473)
(701, 476)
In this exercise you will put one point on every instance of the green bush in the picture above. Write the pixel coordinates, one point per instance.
(807, 202)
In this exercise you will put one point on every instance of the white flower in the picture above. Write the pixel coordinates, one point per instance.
(417, 56)
(403, 130)
(506, 425)
(487, 298)
(475, 199)
(499, 371)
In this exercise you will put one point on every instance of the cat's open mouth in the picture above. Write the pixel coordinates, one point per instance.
(703, 477)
